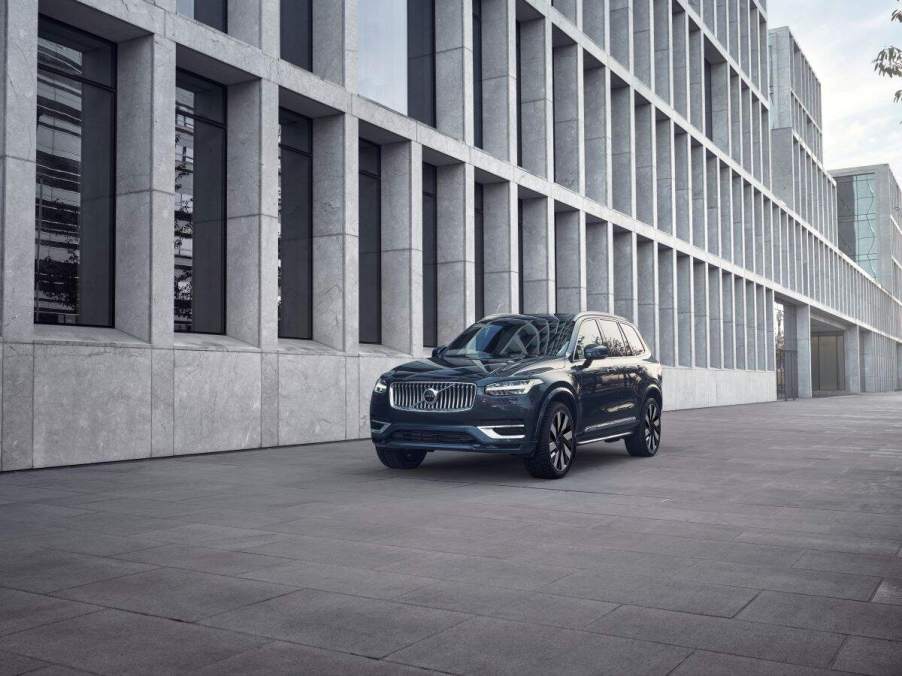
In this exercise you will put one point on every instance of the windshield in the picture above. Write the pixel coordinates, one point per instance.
(513, 338)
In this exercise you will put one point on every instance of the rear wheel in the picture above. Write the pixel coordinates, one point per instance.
(556, 448)
(644, 442)
(400, 459)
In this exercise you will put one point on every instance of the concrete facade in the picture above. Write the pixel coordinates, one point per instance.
(640, 193)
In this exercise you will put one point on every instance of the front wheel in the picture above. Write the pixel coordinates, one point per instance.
(644, 442)
(555, 450)
(400, 459)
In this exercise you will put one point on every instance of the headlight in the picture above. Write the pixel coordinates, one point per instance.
(510, 387)
(381, 386)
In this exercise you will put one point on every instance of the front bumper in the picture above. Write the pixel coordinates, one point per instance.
(494, 425)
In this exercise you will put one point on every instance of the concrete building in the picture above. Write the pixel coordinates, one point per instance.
(247, 209)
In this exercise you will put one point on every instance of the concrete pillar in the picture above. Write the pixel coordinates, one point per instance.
(647, 291)
(738, 210)
(735, 119)
(500, 226)
(599, 267)
(335, 230)
(729, 320)
(145, 178)
(621, 31)
(642, 41)
(761, 327)
(568, 8)
(696, 78)
(402, 246)
(751, 335)
(568, 111)
(453, 68)
(899, 366)
(538, 255)
(499, 78)
(456, 250)
(682, 186)
(535, 97)
(803, 347)
(685, 302)
(715, 318)
(663, 62)
(595, 23)
(712, 180)
(626, 302)
(852, 343)
(699, 185)
(252, 213)
(570, 261)
(700, 313)
(748, 227)
(726, 212)
(668, 318)
(870, 361)
(739, 314)
(335, 41)
(771, 338)
(664, 170)
(645, 162)
(720, 105)
(680, 37)
(256, 23)
(597, 146)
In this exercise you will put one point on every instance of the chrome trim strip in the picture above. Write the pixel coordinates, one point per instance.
(610, 423)
(610, 437)
(382, 426)
(489, 431)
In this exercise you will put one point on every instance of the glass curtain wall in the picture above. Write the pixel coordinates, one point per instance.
(74, 188)
(296, 32)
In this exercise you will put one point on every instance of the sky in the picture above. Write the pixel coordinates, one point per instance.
(862, 124)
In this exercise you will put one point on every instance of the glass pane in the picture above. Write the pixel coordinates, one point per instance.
(197, 96)
(382, 59)
(199, 226)
(211, 12)
(295, 245)
(74, 202)
(370, 247)
(430, 268)
(632, 337)
(613, 338)
(421, 60)
(589, 336)
(479, 224)
(296, 32)
(75, 53)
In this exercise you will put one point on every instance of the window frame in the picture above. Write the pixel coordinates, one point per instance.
(626, 337)
(111, 89)
(225, 214)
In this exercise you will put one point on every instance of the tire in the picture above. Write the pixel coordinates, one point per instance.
(645, 441)
(556, 449)
(400, 459)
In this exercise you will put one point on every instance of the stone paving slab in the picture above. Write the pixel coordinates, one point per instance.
(763, 540)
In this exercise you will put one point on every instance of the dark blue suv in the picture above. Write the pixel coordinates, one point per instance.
(535, 386)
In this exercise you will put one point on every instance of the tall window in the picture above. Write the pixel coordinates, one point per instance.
(520, 275)
(200, 176)
(382, 57)
(370, 244)
(856, 198)
(479, 226)
(296, 32)
(477, 73)
(709, 102)
(430, 257)
(295, 226)
(518, 47)
(421, 60)
(211, 12)
(74, 199)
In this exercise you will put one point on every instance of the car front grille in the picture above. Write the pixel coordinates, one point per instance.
(439, 397)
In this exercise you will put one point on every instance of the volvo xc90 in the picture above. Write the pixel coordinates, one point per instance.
(534, 386)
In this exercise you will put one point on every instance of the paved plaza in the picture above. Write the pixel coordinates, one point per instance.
(764, 539)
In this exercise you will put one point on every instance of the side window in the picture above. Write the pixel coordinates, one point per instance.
(613, 338)
(635, 341)
(588, 336)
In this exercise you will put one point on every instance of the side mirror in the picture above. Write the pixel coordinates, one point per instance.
(438, 351)
(596, 352)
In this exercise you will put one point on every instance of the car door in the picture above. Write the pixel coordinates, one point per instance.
(590, 379)
(635, 367)
(619, 401)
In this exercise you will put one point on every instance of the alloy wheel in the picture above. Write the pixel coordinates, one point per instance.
(652, 426)
(560, 441)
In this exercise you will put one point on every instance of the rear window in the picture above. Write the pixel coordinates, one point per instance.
(613, 338)
(633, 338)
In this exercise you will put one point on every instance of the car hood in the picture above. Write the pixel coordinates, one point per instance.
(470, 370)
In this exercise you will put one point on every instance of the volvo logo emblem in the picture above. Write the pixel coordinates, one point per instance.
(430, 395)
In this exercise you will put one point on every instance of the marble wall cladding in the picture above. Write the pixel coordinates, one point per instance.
(217, 401)
(17, 397)
(700, 387)
(91, 404)
(311, 398)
